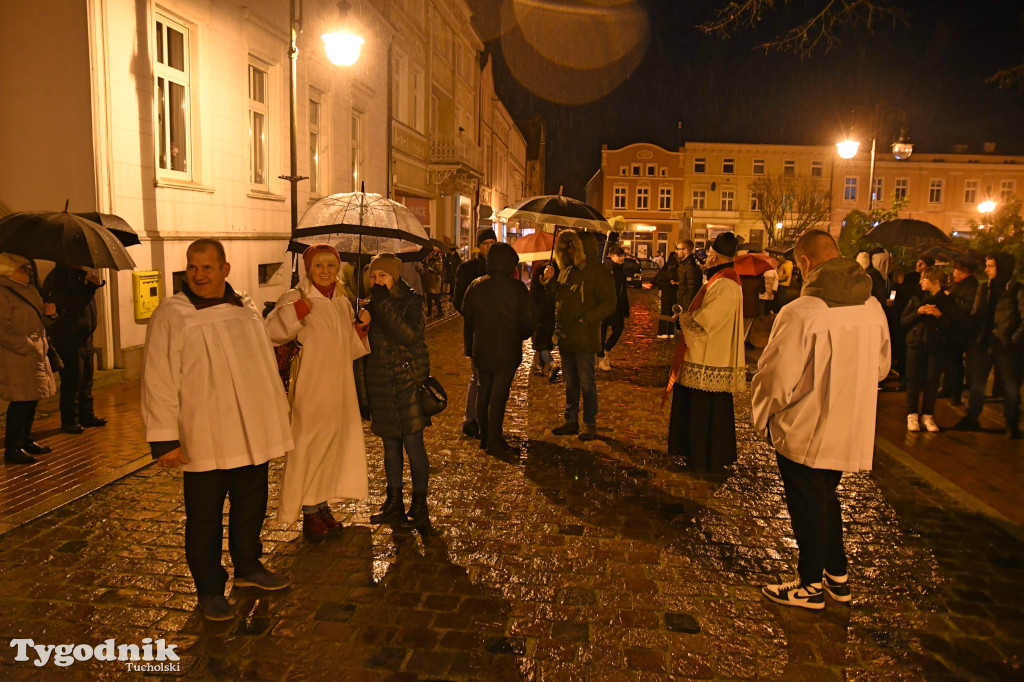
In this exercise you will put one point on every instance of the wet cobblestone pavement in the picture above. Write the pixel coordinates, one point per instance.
(575, 561)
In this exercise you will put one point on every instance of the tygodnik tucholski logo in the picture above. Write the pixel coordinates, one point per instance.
(151, 656)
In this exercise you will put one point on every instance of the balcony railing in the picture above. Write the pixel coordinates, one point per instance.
(455, 150)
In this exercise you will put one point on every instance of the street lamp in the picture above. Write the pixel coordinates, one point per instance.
(335, 43)
(902, 148)
(986, 206)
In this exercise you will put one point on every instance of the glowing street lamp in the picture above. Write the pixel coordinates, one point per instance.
(847, 149)
(986, 206)
(902, 148)
(341, 44)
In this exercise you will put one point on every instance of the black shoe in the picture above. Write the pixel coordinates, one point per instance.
(1013, 432)
(967, 424)
(418, 516)
(18, 457)
(589, 432)
(92, 420)
(566, 429)
(471, 429)
(553, 375)
(393, 509)
(216, 607)
(72, 428)
(502, 449)
(34, 448)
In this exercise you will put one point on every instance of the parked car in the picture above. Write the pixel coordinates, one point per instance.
(639, 270)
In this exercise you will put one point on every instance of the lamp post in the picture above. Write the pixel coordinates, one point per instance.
(342, 48)
(902, 148)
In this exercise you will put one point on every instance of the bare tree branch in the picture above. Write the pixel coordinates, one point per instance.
(1010, 79)
(798, 203)
(818, 31)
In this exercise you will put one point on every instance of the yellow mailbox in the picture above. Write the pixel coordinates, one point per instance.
(147, 291)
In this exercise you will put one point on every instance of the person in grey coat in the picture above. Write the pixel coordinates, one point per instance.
(25, 374)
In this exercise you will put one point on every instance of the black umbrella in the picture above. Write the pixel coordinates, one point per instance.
(951, 253)
(117, 226)
(64, 238)
(905, 232)
(440, 245)
(556, 210)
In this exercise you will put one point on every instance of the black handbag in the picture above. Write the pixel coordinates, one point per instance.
(433, 398)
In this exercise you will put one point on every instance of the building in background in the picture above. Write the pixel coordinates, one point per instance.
(174, 115)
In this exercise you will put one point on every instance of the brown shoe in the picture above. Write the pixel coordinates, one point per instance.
(328, 519)
(314, 528)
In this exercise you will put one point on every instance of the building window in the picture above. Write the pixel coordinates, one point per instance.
(817, 169)
(789, 167)
(877, 192)
(258, 126)
(358, 149)
(665, 199)
(727, 199)
(314, 144)
(642, 197)
(935, 191)
(699, 165)
(623, 170)
(901, 187)
(850, 188)
(663, 172)
(265, 272)
(419, 97)
(971, 191)
(699, 198)
(435, 114)
(758, 166)
(728, 166)
(636, 169)
(1007, 188)
(652, 170)
(619, 197)
(755, 205)
(173, 98)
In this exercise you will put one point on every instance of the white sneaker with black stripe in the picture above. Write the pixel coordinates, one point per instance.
(836, 586)
(794, 593)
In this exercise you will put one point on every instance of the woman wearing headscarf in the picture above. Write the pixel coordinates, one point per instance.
(329, 459)
(398, 363)
(25, 376)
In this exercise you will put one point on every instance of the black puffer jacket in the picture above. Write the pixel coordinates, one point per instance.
(543, 310)
(396, 337)
(497, 314)
(464, 276)
(75, 298)
(935, 334)
(691, 279)
(999, 323)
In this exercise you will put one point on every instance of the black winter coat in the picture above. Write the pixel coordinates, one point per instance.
(497, 314)
(396, 337)
(464, 276)
(963, 294)
(934, 334)
(543, 311)
(75, 299)
(621, 293)
(1003, 327)
(691, 279)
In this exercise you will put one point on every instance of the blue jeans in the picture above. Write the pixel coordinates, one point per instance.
(578, 369)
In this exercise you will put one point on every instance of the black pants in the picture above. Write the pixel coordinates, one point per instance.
(817, 520)
(1008, 365)
(668, 299)
(246, 487)
(953, 384)
(434, 299)
(75, 382)
(491, 398)
(20, 415)
(616, 323)
(924, 369)
(416, 451)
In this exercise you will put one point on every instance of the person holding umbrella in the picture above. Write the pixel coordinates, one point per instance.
(25, 376)
(329, 459)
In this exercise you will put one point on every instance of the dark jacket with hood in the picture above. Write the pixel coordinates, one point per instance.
(584, 293)
(963, 294)
(621, 293)
(691, 279)
(543, 310)
(464, 276)
(934, 334)
(997, 318)
(396, 337)
(497, 314)
(75, 299)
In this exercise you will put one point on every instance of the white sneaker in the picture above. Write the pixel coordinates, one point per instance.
(662, 336)
(795, 594)
(603, 363)
(929, 423)
(912, 423)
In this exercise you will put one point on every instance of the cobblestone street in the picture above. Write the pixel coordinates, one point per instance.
(577, 561)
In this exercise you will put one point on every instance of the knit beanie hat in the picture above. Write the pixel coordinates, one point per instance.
(11, 262)
(307, 255)
(485, 233)
(386, 262)
(725, 245)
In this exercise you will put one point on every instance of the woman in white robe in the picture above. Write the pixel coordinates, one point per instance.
(329, 459)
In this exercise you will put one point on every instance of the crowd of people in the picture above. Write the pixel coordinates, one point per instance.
(363, 355)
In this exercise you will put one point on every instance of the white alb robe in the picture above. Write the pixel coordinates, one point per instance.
(713, 332)
(210, 381)
(329, 459)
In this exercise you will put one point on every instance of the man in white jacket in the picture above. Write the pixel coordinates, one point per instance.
(213, 404)
(814, 398)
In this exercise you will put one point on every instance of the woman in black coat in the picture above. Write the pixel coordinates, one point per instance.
(544, 322)
(931, 319)
(398, 363)
(667, 281)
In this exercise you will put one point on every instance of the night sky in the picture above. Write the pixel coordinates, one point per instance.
(727, 90)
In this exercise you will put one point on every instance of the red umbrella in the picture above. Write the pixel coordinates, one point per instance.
(754, 264)
(535, 246)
